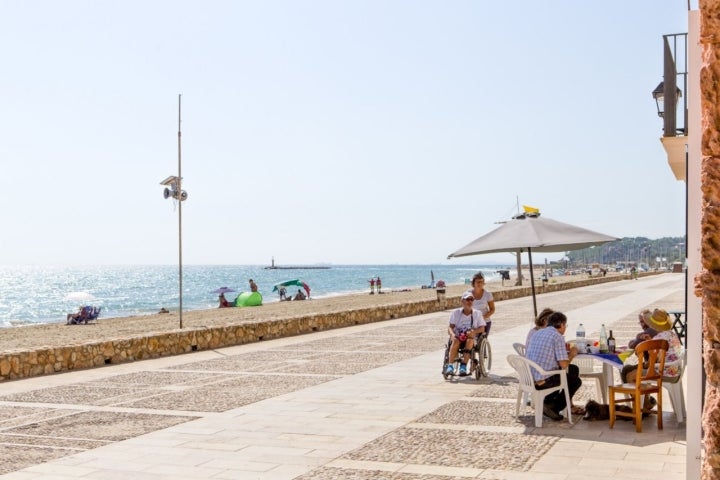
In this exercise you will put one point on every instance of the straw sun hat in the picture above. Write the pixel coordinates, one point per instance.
(659, 320)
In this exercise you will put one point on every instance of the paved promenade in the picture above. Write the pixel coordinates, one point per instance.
(365, 402)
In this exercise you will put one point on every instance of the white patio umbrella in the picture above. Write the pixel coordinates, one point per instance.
(531, 232)
(79, 297)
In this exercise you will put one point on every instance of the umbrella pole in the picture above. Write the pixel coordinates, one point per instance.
(532, 281)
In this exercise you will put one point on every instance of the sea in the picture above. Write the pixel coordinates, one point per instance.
(45, 294)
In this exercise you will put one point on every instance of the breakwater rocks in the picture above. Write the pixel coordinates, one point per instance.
(26, 363)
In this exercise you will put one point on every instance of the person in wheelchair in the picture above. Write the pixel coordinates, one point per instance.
(465, 325)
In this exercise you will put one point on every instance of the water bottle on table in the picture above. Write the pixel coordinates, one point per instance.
(580, 341)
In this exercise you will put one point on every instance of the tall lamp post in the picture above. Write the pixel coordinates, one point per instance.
(173, 188)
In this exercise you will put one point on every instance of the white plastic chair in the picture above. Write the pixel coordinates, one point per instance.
(527, 386)
(674, 387)
(519, 348)
(587, 370)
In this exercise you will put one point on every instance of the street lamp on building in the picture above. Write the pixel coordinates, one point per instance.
(659, 96)
(667, 97)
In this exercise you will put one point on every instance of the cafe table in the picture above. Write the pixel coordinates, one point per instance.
(609, 362)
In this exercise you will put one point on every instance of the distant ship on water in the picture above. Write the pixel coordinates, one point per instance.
(295, 267)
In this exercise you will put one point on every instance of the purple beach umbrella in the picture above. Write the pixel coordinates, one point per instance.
(223, 290)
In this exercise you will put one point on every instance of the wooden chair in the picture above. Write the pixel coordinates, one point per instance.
(648, 380)
(526, 385)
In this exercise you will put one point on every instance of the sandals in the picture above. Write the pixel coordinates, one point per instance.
(577, 410)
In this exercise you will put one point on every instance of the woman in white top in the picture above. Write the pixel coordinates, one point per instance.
(484, 301)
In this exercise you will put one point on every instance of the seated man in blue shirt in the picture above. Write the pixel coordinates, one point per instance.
(547, 348)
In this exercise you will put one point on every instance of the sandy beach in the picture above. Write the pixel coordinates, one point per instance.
(59, 334)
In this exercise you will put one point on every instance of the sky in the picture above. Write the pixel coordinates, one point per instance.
(343, 132)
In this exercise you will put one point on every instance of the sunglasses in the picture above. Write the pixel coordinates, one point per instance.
(468, 300)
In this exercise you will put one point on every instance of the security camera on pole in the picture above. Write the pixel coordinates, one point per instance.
(173, 189)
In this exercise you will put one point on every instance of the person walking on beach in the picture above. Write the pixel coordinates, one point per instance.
(484, 301)
(253, 285)
(372, 286)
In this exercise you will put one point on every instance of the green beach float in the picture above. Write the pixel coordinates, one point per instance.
(248, 299)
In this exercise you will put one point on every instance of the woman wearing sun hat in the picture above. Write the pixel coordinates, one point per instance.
(660, 321)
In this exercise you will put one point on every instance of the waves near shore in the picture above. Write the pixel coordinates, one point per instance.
(36, 294)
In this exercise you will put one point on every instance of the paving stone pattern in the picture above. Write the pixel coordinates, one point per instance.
(487, 413)
(35, 442)
(349, 474)
(119, 407)
(450, 448)
(234, 392)
(32, 435)
(16, 457)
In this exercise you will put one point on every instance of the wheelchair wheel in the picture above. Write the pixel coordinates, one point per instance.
(446, 361)
(484, 358)
(475, 359)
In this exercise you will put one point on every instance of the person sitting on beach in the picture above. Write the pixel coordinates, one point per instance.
(223, 301)
(540, 323)
(79, 317)
(484, 301)
(464, 326)
(253, 285)
(300, 295)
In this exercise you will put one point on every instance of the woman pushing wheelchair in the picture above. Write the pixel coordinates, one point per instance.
(464, 326)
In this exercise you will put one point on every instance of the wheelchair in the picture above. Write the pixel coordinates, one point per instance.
(480, 358)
